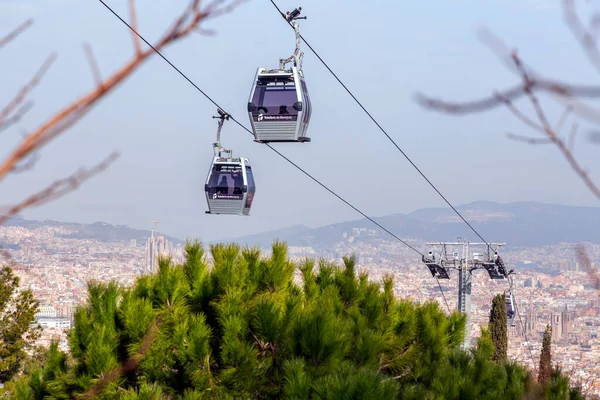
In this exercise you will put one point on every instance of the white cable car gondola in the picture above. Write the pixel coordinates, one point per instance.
(279, 106)
(230, 184)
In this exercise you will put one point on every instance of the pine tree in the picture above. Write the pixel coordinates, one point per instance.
(242, 328)
(17, 331)
(498, 328)
(545, 370)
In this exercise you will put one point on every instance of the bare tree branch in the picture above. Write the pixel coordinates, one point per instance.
(585, 38)
(16, 117)
(213, 11)
(137, 44)
(28, 164)
(16, 32)
(93, 64)
(512, 94)
(528, 140)
(568, 155)
(530, 84)
(572, 134)
(187, 22)
(526, 120)
(563, 118)
(504, 54)
(18, 99)
(58, 188)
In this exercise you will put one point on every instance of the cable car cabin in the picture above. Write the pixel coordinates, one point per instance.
(279, 106)
(230, 186)
(493, 270)
(495, 267)
(435, 265)
(510, 310)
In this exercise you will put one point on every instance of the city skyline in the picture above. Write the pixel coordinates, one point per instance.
(57, 269)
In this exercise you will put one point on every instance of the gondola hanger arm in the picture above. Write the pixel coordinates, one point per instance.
(291, 17)
(223, 116)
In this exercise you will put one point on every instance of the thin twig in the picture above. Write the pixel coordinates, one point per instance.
(93, 64)
(214, 12)
(504, 54)
(534, 100)
(512, 94)
(28, 164)
(528, 140)
(18, 99)
(16, 32)
(137, 44)
(572, 134)
(16, 117)
(526, 120)
(563, 118)
(583, 174)
(58, 188)
(581, 33)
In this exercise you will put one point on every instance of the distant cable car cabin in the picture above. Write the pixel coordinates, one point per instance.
(230, 183)
(279, 105)
(510, 309)
(435, 263)
(495, 267)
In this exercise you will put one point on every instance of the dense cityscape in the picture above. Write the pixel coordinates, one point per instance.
(550, 286)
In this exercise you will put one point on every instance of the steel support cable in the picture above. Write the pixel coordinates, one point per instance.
(381, 128)
(249, 131)
(443, 294)
(521, 322)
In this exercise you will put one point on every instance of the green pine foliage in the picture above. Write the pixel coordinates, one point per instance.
(17, 328)
(499, 328)
(242, 328)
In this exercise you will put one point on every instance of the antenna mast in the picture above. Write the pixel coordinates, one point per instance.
(155, 222)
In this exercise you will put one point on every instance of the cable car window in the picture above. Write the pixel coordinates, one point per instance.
(275, 101)
(226, 180)
(250, 178)
(308, 109)
(251, 187)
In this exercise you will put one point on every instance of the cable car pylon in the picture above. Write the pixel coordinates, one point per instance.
(440, 262)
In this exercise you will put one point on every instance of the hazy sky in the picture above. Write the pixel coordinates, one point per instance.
(385, 51)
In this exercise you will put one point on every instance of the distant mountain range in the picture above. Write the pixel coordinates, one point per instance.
(100, 231)
(522, 224)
